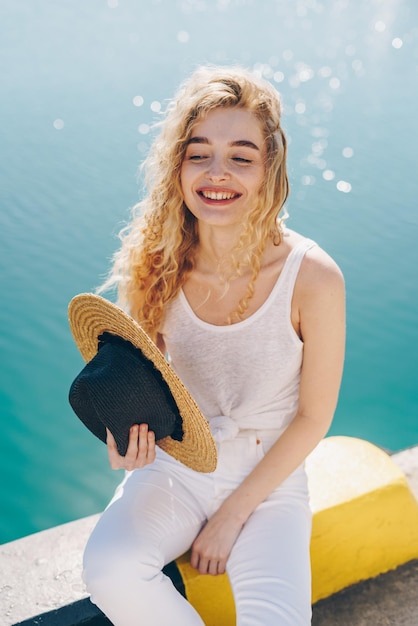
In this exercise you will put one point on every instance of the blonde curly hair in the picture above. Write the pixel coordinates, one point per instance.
(159, 245)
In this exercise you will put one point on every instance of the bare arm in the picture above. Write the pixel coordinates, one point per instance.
(319, 304)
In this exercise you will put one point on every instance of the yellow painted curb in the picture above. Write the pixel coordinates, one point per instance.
(365, 522)
(365, 517)
(211, 596)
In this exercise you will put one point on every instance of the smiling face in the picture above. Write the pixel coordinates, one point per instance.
(224, 167)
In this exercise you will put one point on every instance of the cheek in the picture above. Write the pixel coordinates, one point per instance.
(257, 185)
(188, 174)
(182, 180)
(184, 174)
(185, 184)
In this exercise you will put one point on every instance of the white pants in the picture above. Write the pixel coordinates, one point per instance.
(155, 516)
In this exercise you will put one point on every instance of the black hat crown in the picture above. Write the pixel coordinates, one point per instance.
(120, 387)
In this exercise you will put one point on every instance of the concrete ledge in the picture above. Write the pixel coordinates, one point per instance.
(365, 516)
(81, 613)
(390, 599)
(42, 572)
(41, 580)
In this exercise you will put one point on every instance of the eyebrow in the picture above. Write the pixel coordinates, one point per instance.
(245, 143)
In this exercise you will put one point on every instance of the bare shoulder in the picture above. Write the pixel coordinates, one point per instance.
(319, 274)
(318, 304)
(319, 266)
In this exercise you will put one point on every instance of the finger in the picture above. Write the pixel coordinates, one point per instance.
(112, 451)
(110, 440)
(194, 559)
(151, 446)
(132, 449)
(203, 566)
(213, 567)
(143, 441)
(146, 446)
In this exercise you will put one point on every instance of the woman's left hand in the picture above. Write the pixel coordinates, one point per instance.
(213, 545)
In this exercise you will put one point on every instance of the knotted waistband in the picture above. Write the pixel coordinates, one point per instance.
(223, 428)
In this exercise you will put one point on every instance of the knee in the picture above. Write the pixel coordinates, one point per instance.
(109, 567)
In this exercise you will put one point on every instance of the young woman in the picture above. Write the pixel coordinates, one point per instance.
(251, 315)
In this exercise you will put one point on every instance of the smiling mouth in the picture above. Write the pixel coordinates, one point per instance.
(218, 195)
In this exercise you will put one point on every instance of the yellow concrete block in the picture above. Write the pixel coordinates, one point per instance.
(365, 517)
(211, 596)
(365, 522)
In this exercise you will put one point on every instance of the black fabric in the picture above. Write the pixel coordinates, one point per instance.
(120, 387)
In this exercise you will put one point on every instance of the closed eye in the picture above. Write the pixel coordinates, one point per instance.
(241, 160)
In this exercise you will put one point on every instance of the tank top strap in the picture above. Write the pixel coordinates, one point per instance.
(291, 268)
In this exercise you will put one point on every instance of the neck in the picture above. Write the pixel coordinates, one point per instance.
(215, 247)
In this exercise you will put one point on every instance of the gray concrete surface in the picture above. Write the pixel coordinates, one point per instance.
(390, 599)
(42, 572)
(40, 581)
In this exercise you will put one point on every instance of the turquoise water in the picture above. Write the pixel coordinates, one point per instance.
(81, 82)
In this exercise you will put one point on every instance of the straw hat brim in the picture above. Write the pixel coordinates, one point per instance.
(91, 315)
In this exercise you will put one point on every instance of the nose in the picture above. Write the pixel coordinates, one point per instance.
(217, 170)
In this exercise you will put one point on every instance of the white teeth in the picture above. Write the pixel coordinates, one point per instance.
(218, 195)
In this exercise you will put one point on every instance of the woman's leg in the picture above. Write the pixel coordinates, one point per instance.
(269, 567)
(151, 521)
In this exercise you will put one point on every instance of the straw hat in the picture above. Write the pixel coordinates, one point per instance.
(127, 380)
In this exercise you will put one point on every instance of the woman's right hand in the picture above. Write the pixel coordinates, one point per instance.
(140, 452)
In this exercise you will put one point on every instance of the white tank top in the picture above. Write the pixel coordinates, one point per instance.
(244, 375)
